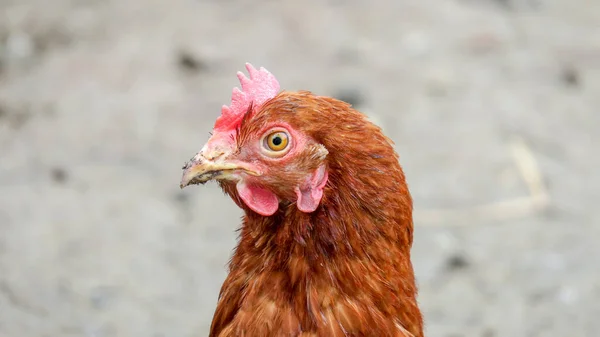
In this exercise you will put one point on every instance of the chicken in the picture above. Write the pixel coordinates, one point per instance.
(324, 247)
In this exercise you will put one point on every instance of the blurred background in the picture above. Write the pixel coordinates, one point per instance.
(493, 105)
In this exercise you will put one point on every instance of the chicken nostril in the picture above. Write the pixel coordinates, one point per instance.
(213, 155)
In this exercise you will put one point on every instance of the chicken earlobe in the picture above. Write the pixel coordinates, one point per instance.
(310, 193)
(260, 200)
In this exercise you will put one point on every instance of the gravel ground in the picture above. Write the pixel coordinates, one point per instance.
(102, 101)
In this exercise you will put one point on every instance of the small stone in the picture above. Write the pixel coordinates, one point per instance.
(59, 175)
(181, 197)
(457, 262)
(189, 62)
(351, 96)
(570, 77)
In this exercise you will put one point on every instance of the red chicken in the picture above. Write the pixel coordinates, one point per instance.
(325, 242)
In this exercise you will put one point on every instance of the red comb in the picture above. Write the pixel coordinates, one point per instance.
(256, 90)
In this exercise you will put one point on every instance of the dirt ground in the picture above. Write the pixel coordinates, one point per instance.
(101, 102)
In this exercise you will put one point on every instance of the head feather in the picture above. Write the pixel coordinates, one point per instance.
(256, 90)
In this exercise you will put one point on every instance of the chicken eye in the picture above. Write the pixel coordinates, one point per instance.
(276, 141)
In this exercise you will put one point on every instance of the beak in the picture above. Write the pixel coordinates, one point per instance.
(200, 169)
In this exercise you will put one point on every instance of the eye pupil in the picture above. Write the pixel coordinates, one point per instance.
(277, 141)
